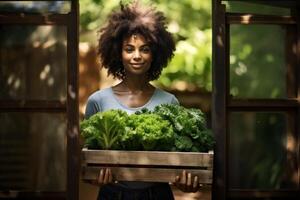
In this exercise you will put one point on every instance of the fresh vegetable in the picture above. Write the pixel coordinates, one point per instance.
(168, 128)
(191, 132)
(148, 132)
(104, 130)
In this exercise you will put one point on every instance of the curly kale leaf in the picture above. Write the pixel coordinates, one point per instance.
(148, 132)
(143, 111)
(183, 143)
(189, 125)
(206, 137)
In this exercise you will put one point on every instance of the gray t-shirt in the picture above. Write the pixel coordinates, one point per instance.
(105, 99)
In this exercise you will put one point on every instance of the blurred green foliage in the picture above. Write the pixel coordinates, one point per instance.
(190, 23)
(257, 63)
(257, 54)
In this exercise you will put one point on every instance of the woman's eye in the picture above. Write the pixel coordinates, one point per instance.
(146, 49)
(128, 49)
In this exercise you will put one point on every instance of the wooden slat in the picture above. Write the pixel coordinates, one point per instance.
(33, 19)
(147, 165)
(38, 0)
(263, 104)
(30, 195)
(188, 159)
(220, 60)
(32, 105)
(147, 174)
(297, 14)
(73, 150)
(241, 18)
(291, 61)
(286, 194)
(279, 3)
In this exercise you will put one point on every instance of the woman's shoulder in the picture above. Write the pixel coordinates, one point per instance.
(162, 92)
(100, 94)
(96, 101)
(166, 96)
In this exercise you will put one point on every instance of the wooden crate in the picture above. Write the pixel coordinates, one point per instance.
(153, 166)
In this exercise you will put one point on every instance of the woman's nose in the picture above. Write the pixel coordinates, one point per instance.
(137, 55)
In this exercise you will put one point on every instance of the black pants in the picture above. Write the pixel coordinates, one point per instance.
(159, 191)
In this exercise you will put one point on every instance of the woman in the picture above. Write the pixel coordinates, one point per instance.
(135, 46)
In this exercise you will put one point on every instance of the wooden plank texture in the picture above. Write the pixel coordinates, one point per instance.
(73, 149)
(189, 159)
(220, 76)
(147, 174)
(33, 19)
(153, 166)
(241, 18)
(32, 105)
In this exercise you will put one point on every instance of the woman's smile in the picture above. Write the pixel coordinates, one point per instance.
(137, 65)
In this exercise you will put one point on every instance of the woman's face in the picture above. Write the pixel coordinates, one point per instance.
(136, 55)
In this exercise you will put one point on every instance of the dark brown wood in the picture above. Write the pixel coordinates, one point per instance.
(297, 15)
(256, 194)
(241, 18)
(32, 106)
(73, 149)
(292, 160)
(23, 195)
(219, 100)
(35, 19)
(291, 60)
(263, 104)
(39, 0)
(279, 3)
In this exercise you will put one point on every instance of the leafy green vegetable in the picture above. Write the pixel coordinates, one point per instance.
(148, 132)
(104, 130)
(191, 133)
(168, 128)
(182, 143)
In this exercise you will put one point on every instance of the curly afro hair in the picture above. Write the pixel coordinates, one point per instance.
(135, 19)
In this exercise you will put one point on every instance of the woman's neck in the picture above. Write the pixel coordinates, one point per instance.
(136, 85)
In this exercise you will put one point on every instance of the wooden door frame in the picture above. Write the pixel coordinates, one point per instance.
(222, 104)
(70, 107)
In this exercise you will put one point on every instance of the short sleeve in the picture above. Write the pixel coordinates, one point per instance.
(91, 108)
(174, 100)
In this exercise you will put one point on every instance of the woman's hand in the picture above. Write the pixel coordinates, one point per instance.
(104, 177)
(186, 182)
